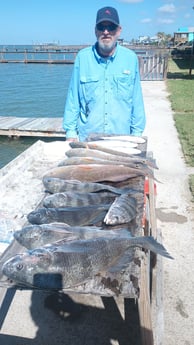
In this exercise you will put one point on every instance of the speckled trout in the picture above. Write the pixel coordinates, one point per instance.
(86, 152)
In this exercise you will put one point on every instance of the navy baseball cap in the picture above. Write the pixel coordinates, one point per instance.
(107, 14)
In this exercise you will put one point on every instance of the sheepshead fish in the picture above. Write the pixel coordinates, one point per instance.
(36, 236)
(122, 210)
(74, 199)
(86, 152)
(58, 185)
(86, 215)
(68, 265)
(95, 172)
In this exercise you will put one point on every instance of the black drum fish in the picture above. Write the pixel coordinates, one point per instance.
(58, 185)
(73, 263)
(35, 236)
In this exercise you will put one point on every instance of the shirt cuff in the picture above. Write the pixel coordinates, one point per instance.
(137, 134)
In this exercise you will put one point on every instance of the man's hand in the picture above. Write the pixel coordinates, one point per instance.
(72, 139)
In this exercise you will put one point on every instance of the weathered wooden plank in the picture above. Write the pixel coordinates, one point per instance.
(35, 127)
(144, 305)
(157, 273)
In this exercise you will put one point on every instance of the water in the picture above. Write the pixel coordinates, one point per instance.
(30, 90)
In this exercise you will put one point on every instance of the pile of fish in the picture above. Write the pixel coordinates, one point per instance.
(82, 227)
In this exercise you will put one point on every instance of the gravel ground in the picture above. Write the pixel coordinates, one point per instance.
(91, 320)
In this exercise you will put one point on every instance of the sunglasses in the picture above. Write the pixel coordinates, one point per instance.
(109, 27)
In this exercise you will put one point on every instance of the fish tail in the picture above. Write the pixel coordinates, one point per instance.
(148, 242)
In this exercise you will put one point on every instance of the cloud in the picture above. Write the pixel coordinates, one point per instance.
(165, 21)
(146, 20)
(168, 8)
(187, 15)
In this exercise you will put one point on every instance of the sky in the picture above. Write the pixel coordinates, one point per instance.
(72, 22)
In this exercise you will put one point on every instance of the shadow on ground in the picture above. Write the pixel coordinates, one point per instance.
(182, 64)
(61, 320)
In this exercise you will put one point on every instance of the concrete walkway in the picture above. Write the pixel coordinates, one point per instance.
(91, 320)
(175, 215)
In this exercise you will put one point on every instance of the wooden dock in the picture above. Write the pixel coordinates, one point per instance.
(31, 127)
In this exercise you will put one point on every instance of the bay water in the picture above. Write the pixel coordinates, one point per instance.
(30, 90)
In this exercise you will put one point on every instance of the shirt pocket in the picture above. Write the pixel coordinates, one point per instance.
(124, 86)
(89, 87)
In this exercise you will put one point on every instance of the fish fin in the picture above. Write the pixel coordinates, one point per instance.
(123, 262)
(76, 246)
(152, 244)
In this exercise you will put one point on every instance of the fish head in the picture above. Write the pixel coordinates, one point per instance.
(55, 200)
(47, 181)
(38, 216)
(51, 184)
(23, 268)
(114, 219)
(28, 236)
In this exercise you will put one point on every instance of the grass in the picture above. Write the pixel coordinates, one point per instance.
(191, 185)
(180, 84)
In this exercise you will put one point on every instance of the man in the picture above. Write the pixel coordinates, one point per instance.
(105, 93)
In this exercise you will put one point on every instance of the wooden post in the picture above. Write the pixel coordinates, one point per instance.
(157, 273)
(144, 305)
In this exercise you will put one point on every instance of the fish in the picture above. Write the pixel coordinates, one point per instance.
(93, 146)
(86, 215)
(75, 262)
(122, 210)
(86, 152)
(119, 146)
(94, 160)
(58, 185)
(77, 199)
(95, 173)
(35, 236)
(103, 136)
(110, 142)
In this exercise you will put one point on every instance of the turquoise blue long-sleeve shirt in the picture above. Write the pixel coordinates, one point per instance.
(104, 95)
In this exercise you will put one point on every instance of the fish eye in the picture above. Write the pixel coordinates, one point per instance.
(19, 267)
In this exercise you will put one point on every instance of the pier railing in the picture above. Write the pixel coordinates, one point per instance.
(153, 66)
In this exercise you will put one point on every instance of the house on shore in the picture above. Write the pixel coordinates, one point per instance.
(183, 35)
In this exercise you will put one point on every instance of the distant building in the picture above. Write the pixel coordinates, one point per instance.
(184, 34)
